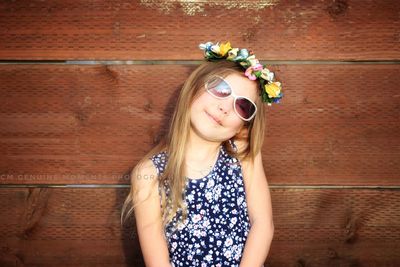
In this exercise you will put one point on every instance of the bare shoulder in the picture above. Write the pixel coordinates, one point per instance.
(257, 191)
(144, 176)
(146, 168)
(252, 169)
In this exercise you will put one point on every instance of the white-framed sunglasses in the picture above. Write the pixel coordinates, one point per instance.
(219, 88)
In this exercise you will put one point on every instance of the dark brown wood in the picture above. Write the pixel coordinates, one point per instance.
(90, 124)
(163, 29)
(312, 228)
(337, 124)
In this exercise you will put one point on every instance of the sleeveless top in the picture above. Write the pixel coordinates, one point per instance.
(217, 224)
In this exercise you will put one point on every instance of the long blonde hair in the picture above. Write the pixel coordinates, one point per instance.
(176, 138)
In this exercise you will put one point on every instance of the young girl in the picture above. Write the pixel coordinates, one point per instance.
(200, 197)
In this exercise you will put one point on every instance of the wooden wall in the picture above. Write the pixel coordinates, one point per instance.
(87, 87)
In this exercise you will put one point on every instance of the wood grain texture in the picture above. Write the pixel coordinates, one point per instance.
(172, 29)
(90, 124)
(337, 124)
(312, 228)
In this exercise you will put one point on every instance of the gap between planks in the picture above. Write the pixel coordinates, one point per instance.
(376, 187)
(194, 62)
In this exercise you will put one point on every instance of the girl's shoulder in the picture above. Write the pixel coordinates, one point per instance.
(245, 164)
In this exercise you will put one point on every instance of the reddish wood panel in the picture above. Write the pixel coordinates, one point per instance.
(337, 124)
(170, 29)
(53, 226)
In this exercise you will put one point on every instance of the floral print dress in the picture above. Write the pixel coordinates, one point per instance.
(216, 229)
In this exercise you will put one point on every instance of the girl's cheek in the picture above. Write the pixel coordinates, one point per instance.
(235, 123)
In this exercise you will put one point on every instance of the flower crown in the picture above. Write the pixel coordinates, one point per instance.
(270, 89)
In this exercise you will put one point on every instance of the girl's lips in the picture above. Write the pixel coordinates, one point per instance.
(216, 120)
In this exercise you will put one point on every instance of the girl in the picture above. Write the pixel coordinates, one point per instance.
(200, 196)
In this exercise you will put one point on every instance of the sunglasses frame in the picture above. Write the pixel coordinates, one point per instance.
(235, 96)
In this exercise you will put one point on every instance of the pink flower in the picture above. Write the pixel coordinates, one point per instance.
(258, 66)
(250, 70)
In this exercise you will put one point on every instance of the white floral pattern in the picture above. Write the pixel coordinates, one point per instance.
(218, 223)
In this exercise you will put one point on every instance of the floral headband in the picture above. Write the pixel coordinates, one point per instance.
(270, 89)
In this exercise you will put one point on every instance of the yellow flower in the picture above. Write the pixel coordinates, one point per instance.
(224, 48)
(273, 89)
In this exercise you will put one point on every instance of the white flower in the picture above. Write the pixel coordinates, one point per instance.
(240, 200)
(181, 226)
(205, 46)
(209, 196)
(190, 198)
(215, 48)
(232, 53)
(197, 233)
(228, 254)
(253, 61)
(196, 218)
(266, 74)
(228, 241)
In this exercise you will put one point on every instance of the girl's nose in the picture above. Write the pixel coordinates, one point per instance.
(225, 105)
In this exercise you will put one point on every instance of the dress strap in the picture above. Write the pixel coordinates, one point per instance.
(159, 161)
(233, 145)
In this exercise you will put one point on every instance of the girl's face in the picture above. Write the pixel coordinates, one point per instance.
(215, 119)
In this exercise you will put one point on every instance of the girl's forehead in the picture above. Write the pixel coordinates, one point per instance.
(242, 85)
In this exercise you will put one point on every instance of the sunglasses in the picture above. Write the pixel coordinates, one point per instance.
(243, 106)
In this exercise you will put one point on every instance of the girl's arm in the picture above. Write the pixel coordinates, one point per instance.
(260, 213)
(148, 216)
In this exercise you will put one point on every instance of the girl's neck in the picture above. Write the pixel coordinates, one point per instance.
(199, 150)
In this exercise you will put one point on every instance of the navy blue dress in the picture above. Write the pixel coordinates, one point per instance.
(216, 229)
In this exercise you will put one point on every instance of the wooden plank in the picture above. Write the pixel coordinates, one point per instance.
(172, 29)
(53, 226)
(91, 124)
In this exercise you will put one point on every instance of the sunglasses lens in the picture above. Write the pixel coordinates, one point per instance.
(244, 107)
(218, 87)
